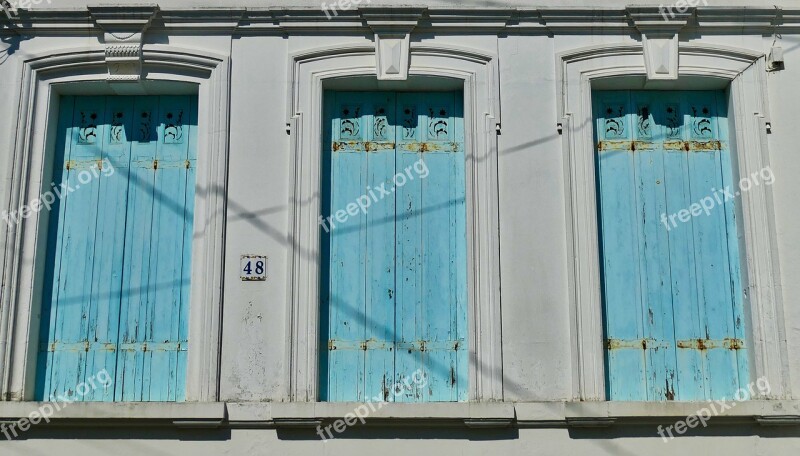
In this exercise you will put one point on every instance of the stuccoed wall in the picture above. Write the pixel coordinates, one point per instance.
(403, 441)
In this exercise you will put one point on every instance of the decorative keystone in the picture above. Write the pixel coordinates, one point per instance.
(392, 28)
(659, 28)
(123, 27)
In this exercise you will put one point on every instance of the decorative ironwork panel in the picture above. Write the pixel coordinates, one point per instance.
(350, 122)
(145, 126)
(87, 132)
(173, 127)
(381, 130)
(644, 122)
(615, 122)
(117, 130)
(701, 123)
(673, 121)
(410, 120)
(438, 124)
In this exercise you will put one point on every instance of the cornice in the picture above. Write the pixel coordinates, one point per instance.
(387, 17)
(655, 21)
(209, 20)
(732, 19)
(134, 17)
(489, 19)
(288, 20)
(582, 20)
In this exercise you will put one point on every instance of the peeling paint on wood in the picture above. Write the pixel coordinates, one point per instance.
(708, 344)
(672, 294)
(394, 279)
(414, 146)
(688, 146)
(116, 294)
(361, 146)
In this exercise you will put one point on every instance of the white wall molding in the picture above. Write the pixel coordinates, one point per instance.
(745, 72)
(478, 71)
(544, 20)
(43, 78)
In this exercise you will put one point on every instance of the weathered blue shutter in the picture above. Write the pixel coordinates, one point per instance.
(431, 315)
(119, 249)
(66, 302)
(671, 292)
(358, 286)
(394, 278)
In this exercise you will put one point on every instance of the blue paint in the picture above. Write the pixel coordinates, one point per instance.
(116, 291)
(394, 278)
(672, 298)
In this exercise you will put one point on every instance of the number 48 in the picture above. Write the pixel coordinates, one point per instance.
(259, 267)
(254, 268)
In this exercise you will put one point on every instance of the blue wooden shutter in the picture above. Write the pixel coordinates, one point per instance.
(671, 292)
(431, 314)
(358, 284)
(116, 289)
(394, 278)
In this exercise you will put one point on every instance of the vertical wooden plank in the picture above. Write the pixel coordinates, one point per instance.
(710, 232)
(702, 177)
(619, 225)
(106, 287)
(55, 246)
(76, 273)
(653, 258)
(443, 209)
(409, 314)
(687, 320)
(137, 303)
(380, 239)
(348, 252)
(437, 276)
(167, 249)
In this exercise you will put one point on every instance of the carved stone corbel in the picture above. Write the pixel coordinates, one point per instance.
(123, 29)
(660, 39)
(392, 29)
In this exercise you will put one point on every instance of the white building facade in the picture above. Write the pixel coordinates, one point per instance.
(553, 294)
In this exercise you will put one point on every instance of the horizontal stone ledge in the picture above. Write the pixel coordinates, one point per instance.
(166, 411)
(487, 415)
(244, 411)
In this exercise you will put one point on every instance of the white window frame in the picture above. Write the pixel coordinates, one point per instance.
(745, 73)
(84, 71)
(479, 72)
